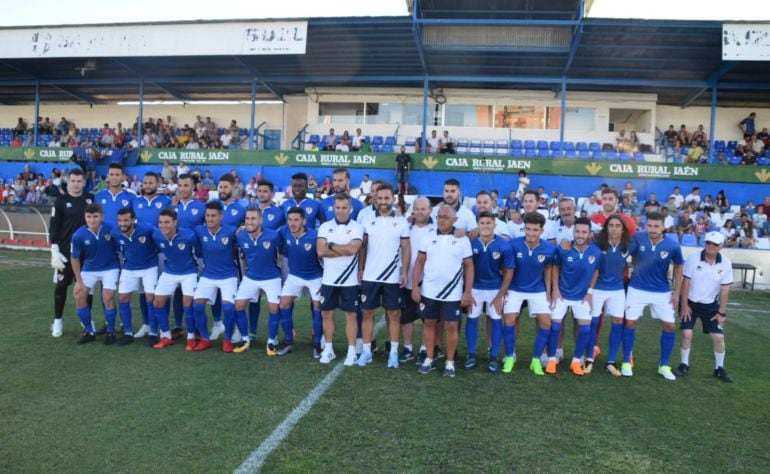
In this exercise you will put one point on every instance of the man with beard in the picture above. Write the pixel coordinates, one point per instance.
(465, 223)
(272, 216)
(114, 197)
(485, 203)
(340, 184)
(300, 199)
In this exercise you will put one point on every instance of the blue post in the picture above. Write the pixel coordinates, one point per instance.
(253, 113)
(140, 120)
(563, 111)
(712, 126)
(424, 139)
(37, 110)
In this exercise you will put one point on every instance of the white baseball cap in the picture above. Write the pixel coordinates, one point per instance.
(715, 238)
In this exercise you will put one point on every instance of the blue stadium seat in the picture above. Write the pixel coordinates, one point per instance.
(732, 144)
(763, 161)
(672, 236)
(377, 140)
(556, 146)
(597, 155)
(611, 155)
(517, 151)
(570, 154)
(488, 150)
(529, 145)
(475, 149)
(517, 144)
(387, 148)
(735, 160)
(501, 144)
(376, 148)
(390, 141)
(476, 142)
(719, 144)
(581, 146)
(411, 141)
(689, 240)
(568, 146)
(530, 153)
(584, 155)
(315, 139)
(638, 156)
(542, 145)
(543, 153)
(556, 154)
(501, 151)
(489, 143)
(593, 146)
(460, 142)
(461, 150)
(625, 156)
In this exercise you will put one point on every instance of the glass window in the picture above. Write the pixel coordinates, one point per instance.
(639, 120)
(464, 115)
(575, 118)
(340, 112)
(520, 116)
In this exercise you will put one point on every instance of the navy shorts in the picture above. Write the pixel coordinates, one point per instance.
(342, 297)
(408, 307)
(448, 311)
(704, 312)
(374, 295)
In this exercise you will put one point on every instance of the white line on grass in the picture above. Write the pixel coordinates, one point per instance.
(258, 457)
(764, 311)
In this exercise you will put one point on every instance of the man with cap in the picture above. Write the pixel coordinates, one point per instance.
(705, 292)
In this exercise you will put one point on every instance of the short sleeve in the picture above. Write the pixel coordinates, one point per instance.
(467, 249)
(358, 232)
(676, 257)
(508, 260)
(75, 247)
(423, 248)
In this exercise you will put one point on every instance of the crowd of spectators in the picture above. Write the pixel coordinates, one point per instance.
(156, 133)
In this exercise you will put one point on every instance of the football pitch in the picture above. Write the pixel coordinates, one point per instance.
(100, 408)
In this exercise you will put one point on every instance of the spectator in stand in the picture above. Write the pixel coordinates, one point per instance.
(63, 126)
(135, 185)
(55, 142)
(343, 145)
(227, 139)
(684, 224)
(21, 127)
(747, 236)
(671, 143)
(747, 125)
(699, 137)
(591, 206)
(46, 127)
(728, 231)
(652, 204)
(330, 141)
(327, 186)
(167, 172)
(201, 193)
(696, 154)
(633, 142)
(707, 204)
(628, 207)
(193, 144)
(693, 199)
(365, 186)
(621, 142)
(182, 168)
(763, 135)
(678, 198)
(207, 181)
(721, 202)
(251, 187)
(364, 147)
(683, 136)
(312, 186)
(434, 143)
(512, 203)
(671, 207)
(630, 191)
(16, 142)
(701, 227)
(447, 143)
(743, 145)
(235, 133)
(760, 220)
(355, 140)
(757, 146)
(313, 146)
(749, 158)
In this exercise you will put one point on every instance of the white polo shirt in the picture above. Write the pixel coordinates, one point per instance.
(443, 273)
(706, 280)
(416, 234)
(556, 230)
(342, 270)
(515, 230)
(383, 248)
(466, 220)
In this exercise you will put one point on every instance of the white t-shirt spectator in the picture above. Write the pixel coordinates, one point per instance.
(226, 139)
(366, 187)
(434, 143)
(591, 208)
(342, 147)
(692, 198)
(355, 141)
(182, 169)
(678, 199)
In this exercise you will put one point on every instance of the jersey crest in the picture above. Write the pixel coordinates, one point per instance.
(181, 246)
(124, 202)
(234, 212)
(270, 217)
(541, 258)
(663, 255)
(158, 205)
(108, 237)
(225, 240)
(266, 245)
(591, 259)
(308, 210)
(308, 246)
(495, 255)
(194, 212)
(142, 239)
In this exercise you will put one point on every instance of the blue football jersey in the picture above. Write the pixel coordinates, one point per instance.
(327, 208)
(147, 210)
(218, 251)
(529, 276)
(576, 270)
(489, 261)
(180, 251)
(191, 214)
(138, 249)
(111, 204)
(612, 266)
(301, 254)
(261, 254)
(273, 218)
(651, 263)
(95, 249)
(233, 214)
(311, 207)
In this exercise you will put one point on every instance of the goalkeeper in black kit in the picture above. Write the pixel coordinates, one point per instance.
(67, 215)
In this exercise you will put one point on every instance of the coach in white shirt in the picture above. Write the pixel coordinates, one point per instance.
(705, 291)
(339, 241)
(445, 267)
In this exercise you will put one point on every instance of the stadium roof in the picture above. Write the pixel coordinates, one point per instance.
(508, 44)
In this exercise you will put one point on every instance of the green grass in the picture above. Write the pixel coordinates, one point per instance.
(134, 409)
